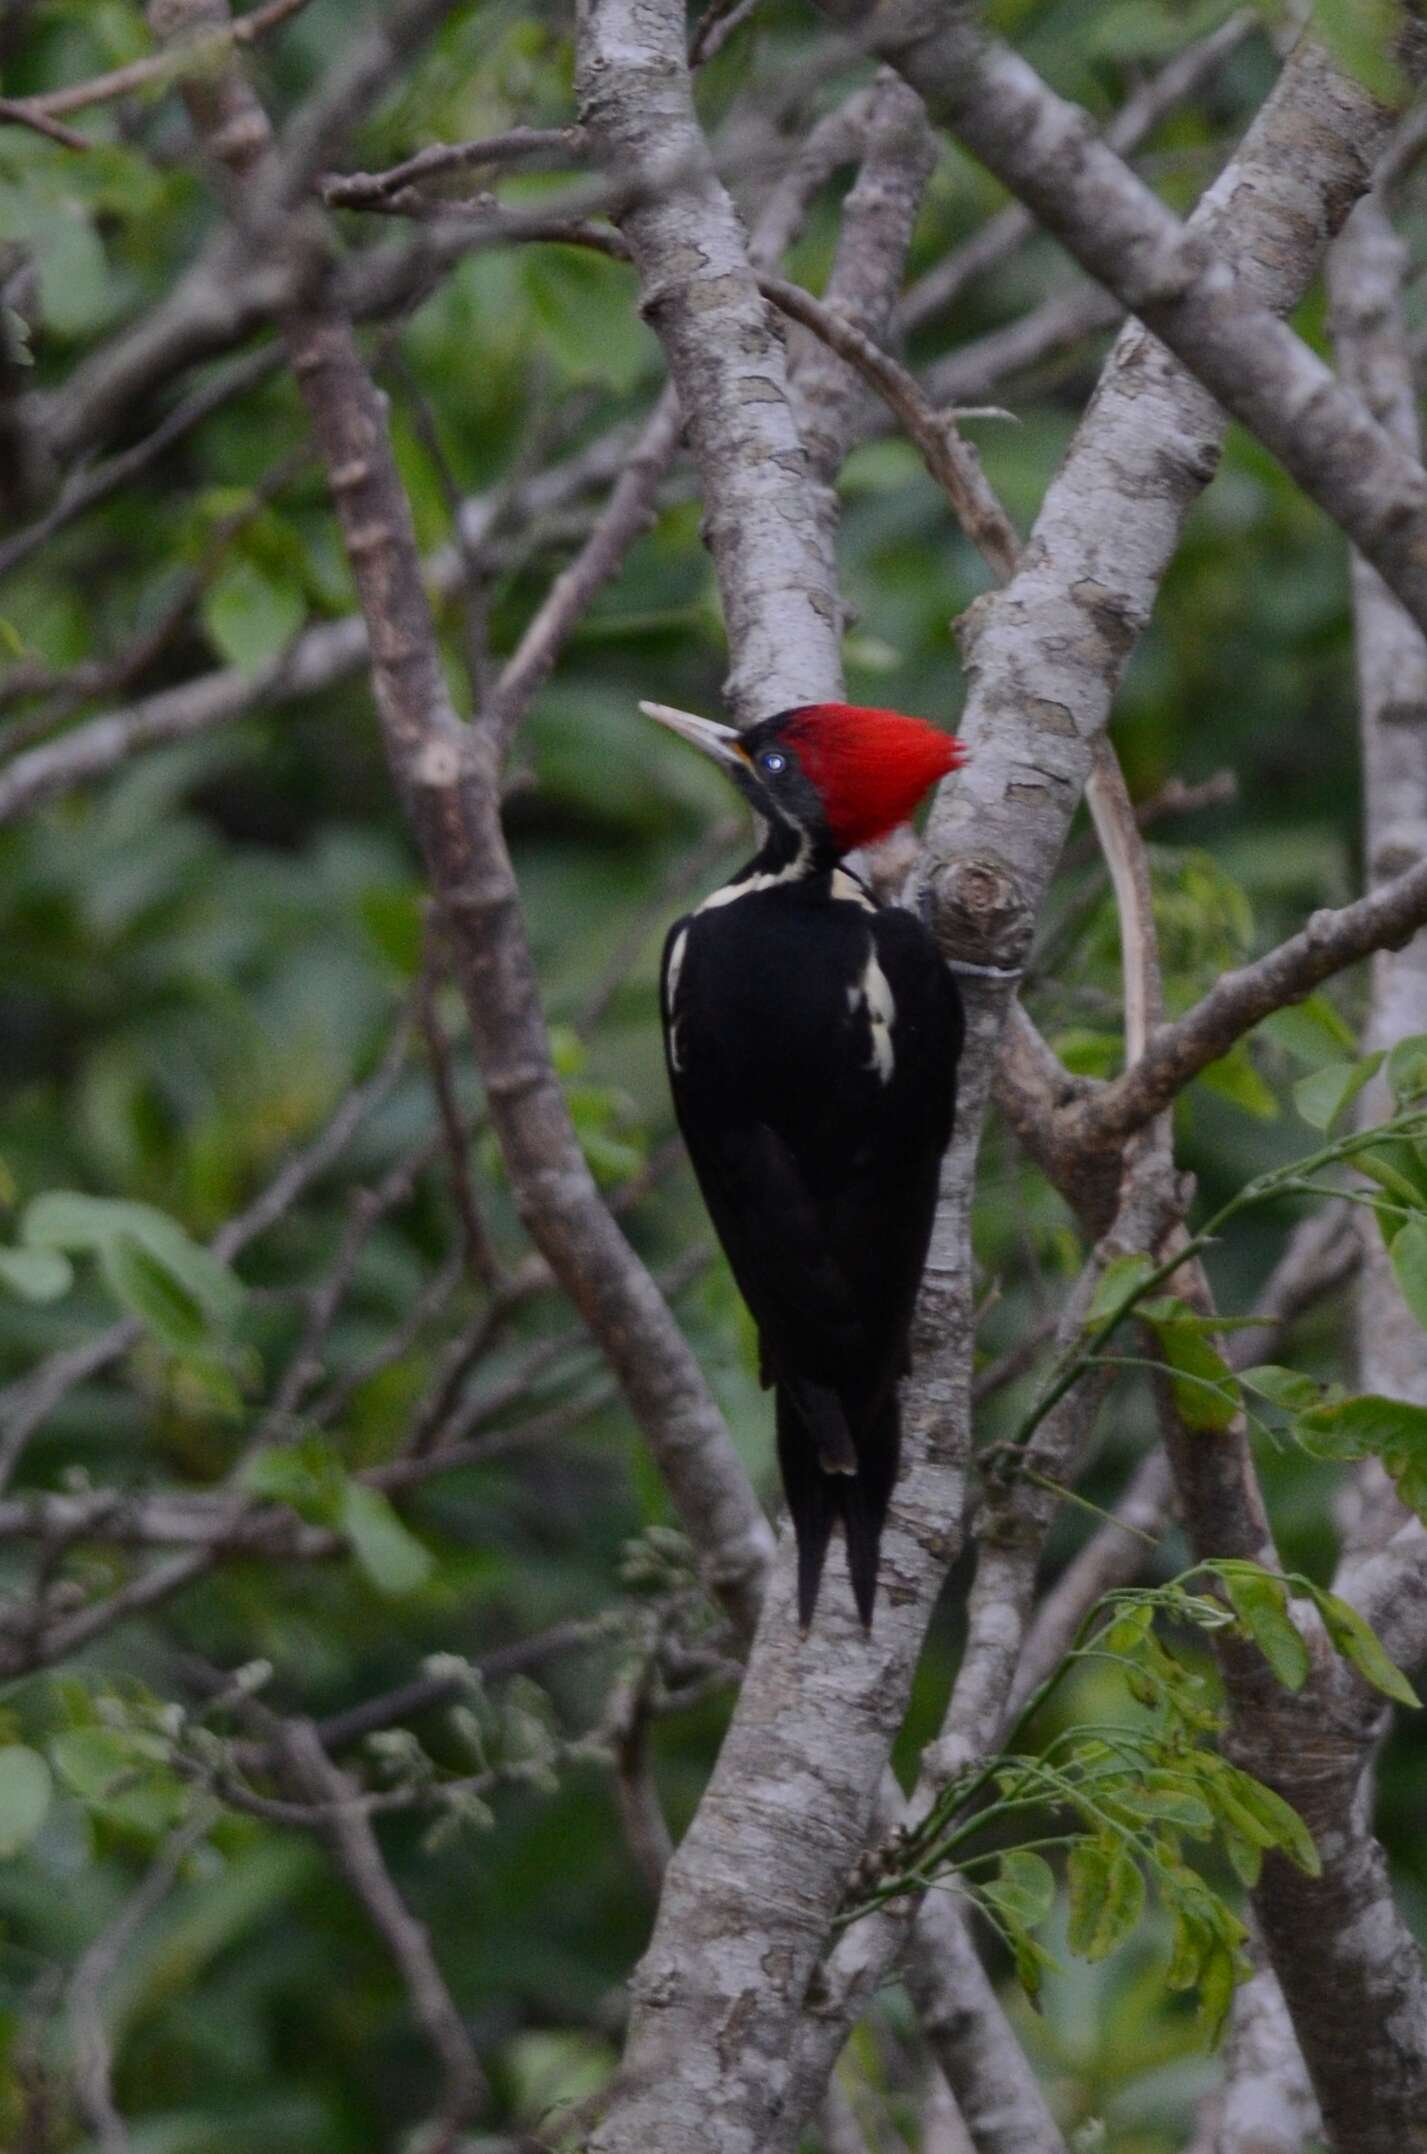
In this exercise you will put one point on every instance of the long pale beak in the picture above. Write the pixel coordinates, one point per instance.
(719, 741)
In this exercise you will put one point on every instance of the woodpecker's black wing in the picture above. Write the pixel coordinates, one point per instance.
(812, 1040)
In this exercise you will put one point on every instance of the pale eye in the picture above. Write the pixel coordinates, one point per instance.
(772, 761)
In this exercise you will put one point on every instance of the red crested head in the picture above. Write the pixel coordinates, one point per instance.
(869, 768)
(824, 777)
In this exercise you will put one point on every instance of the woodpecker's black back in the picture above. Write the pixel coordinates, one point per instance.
(812, 1037)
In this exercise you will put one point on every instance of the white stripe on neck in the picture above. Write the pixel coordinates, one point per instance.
(792, 871)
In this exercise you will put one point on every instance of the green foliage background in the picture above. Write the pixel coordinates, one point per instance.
(204, 954)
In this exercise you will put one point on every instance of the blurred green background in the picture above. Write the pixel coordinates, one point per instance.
(204, 953)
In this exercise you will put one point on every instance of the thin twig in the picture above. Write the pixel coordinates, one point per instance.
(716, 26)
(484, 1264)
(1333, 939)
(626, 1728)
(92, 2047)
(15, 113)
(192, 54)
(354, 1842)
(625, 516)
(555, 146)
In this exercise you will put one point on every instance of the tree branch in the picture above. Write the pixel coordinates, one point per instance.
(554, 146)
(1047, 652)
(698, 292)
(354, 1843)
(1047, 152)
(1366, 274)
(1350, 1970)
(160, 68)
(1321, 1256)
(1385, 918)
(709, 2048)
(448, 778)
(1141, 113)
(93, 2050)
(973, 2042)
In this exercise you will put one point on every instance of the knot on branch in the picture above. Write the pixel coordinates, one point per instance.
(979, 911)
(875, 1865)
(1008, 1515)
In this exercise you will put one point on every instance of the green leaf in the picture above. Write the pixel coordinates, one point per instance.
(1168, 1801)
(392, 916)
(1223, 1789)
(1354, 1637)
(194, 1280)
(1117, 1287)
(25, 1788)
(151, 1293)
(1087, 1873)
(250, 617)
(1245, 1855)
(1024, 1888)
(1281, 1387)
(36, 1274)
(1169, 1309)
(1087, 1053)
(307, 1476)
(1311, 1030)
(1032, 1960)
(1236, 1078)
(89, 1760)
(1206, 1392)
(66, 1219)
(1279, 1820)
(77, 291)
(1107, 1897)
(109, 1775)
(1193, 1939)
(1374, 1424)
(389, 1553)
(1325, 1097)
(1408, 1253)
(1260, 1601)
(1398, 1168)
(1129, 1630)
(1218, 1976)
(1393, 1430)
(1407, 1069)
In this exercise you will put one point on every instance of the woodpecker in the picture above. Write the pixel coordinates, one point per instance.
(811, 1036)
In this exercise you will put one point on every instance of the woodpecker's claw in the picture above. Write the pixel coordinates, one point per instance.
(719, 741)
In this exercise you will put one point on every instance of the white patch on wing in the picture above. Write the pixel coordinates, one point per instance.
(849, 890)
(874, 993)
(671, 989)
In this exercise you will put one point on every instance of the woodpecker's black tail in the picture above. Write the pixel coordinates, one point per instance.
(820, 1493)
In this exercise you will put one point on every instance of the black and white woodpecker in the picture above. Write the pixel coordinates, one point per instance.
(812, 1037)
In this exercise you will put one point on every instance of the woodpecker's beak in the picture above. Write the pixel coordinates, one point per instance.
(719, 741)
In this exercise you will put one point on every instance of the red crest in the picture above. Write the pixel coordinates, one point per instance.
(871, 767)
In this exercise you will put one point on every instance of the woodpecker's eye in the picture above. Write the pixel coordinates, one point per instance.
(772, 761)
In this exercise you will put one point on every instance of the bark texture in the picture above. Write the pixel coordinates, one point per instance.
(753, 1887)
(1367, 271)
(1205, 304)
(754, 1884)
(725, 357)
